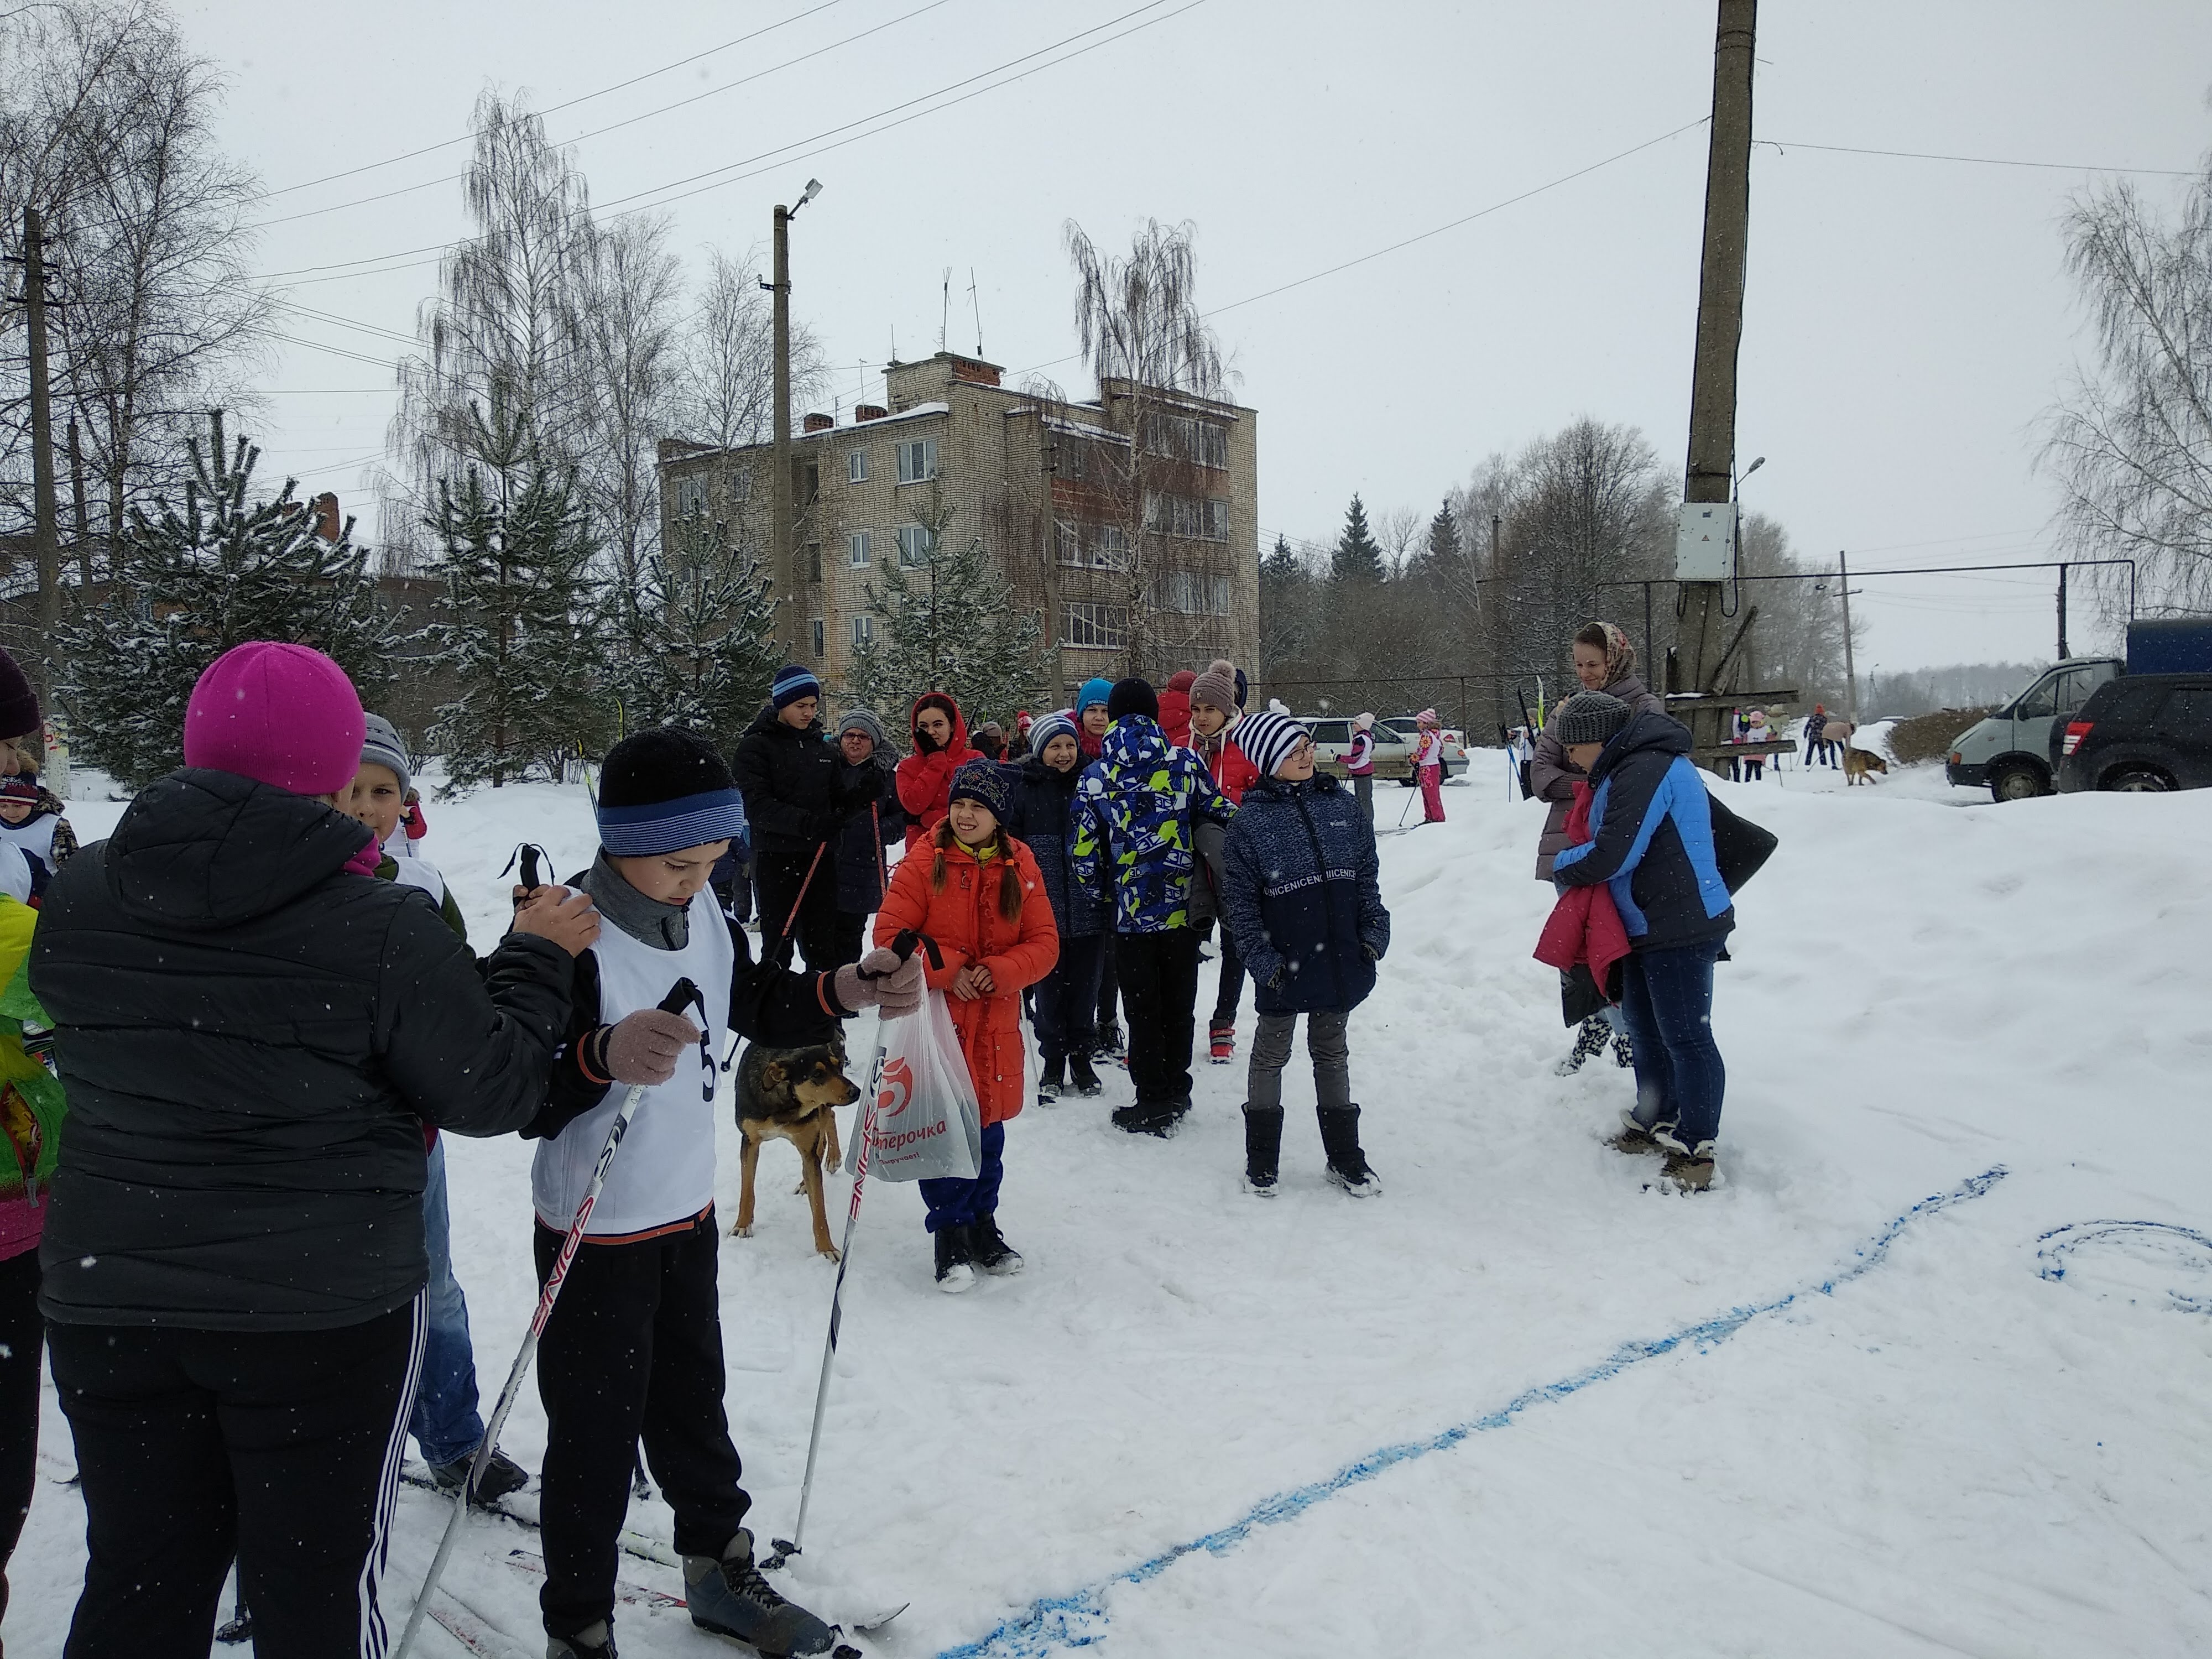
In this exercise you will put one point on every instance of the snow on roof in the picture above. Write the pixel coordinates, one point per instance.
(1085, 429)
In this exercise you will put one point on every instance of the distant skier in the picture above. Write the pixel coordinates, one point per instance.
(1360, 764)
(1429, 765)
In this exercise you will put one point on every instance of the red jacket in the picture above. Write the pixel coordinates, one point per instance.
(1232, 772)
(964, 921)
(1175, 715)
(1584, 926)
(925, 780)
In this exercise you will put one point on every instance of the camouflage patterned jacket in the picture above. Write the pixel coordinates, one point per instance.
(1132, 833)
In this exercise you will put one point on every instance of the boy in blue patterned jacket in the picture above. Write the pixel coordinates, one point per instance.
(1140, 811)
(1302, 894)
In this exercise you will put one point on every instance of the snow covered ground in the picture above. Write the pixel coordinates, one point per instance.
(1795, 1415)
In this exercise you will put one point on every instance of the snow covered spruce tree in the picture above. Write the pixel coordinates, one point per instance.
(194, 579)
(699, 645)
(949, 625)
(515, 551)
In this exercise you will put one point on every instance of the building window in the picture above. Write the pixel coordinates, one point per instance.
(1096, 627)
(1188, 517)
(913, 545)
(691, 496)
(859, 543)
(814, 561)
(810, 483)
(1109, 549)
(1091, 547)
(738, 485)
(1202, 443)
(1191, 593)
(864, 632)
(819, 637)
(917, 461)
(856, 467)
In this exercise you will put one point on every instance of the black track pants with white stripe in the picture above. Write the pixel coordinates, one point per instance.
(281, 1448)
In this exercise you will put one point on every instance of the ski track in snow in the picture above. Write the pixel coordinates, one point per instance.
(1968, 1453)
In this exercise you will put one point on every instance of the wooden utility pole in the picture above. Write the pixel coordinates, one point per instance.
(1851, 667)
(45, 533)
(779, 493)
(1710, 475)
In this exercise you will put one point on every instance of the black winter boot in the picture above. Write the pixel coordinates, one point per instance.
(1263, 1149)
(729, 1597)
(1081, 1078)
(1053, 1080)
(988, 1246)
(955, 1270)
(597, 1642)
(1347, 1165)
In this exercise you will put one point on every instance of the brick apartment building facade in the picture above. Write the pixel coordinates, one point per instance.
(1127, 526)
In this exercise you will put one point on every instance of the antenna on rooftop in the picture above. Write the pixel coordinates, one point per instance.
(978, 304)
(944, 311)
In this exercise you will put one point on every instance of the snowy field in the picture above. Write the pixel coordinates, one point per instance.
(1517, 1405)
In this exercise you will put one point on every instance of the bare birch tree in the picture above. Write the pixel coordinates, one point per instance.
(2131, 443)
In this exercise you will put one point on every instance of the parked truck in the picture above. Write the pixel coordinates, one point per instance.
(2012, 752)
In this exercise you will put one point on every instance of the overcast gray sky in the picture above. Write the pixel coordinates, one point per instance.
(1908, 320)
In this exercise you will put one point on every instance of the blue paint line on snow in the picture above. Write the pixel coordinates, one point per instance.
(1079, 1618)
(2054, 1246)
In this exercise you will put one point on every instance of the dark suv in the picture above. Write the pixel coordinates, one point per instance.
(2141, 731)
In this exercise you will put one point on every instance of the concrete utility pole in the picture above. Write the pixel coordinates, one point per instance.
(1850, 670)
(45, 534)
(779, 484)
(1709, 476)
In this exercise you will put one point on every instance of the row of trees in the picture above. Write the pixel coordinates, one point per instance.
(1480, 597)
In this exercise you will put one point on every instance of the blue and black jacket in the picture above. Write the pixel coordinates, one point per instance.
(1302, 892)
(1652, 839)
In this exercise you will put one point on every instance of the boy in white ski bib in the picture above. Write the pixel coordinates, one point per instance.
(634, 1350)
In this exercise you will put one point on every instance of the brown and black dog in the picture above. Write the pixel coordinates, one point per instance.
(1860, 763)
(794, 1094)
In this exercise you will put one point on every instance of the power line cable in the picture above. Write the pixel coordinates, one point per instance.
(347, 266)
(1788, 144)
(612, 126)
(584, 98)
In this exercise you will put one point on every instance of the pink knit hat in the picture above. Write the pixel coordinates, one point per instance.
(281, 715)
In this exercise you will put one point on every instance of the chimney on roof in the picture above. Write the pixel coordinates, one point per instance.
(818, 422)
(328, 524)
(975, 371)
(870, 412)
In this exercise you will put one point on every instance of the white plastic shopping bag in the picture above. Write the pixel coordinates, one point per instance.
(927, 1123)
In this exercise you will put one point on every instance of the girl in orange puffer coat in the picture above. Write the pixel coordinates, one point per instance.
(976, 892)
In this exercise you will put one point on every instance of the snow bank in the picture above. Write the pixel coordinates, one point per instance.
(1790, 1416)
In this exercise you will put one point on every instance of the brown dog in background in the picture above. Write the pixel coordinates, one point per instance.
(1858, 763)
(794, 1094)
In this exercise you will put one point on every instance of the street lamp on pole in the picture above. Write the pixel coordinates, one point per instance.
(780, 561)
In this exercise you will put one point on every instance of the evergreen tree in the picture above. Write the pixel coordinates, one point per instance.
(700, 646)
(1281, 564)
(1443, 536)
(1357, 557)
(515, 558)
(949, 626)
(191, 582)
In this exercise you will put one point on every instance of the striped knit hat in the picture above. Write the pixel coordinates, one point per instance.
(665, 790)
(1267, 739)
(1061, 723)
(791, 684)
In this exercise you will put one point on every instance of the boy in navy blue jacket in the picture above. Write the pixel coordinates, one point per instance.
(1302, 893)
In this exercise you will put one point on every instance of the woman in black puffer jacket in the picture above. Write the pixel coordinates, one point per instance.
(253, 1030)
(1067, 997)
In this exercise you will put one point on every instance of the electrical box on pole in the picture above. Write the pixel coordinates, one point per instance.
(1705, 541)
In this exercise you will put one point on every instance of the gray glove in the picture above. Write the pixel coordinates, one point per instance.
(644, 1046)
(880, 979)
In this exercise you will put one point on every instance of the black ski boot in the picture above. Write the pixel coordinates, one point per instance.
(989, 1249)
(1347, 1165)
(955, 1260)
(1082, 1078)
(1263, 1149)
(1053, 1082)
(729, 1597)
(501, 1475)
(595, 1641)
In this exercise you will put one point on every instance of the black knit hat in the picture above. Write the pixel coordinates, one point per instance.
(982, 780)
(1587, 717)
(1132, 696)
(19, 700)
(665, 790)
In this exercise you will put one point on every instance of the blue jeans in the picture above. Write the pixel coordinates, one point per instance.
(954, 1202)
(1668, 999)
(444, 1420)
(1067, 997)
